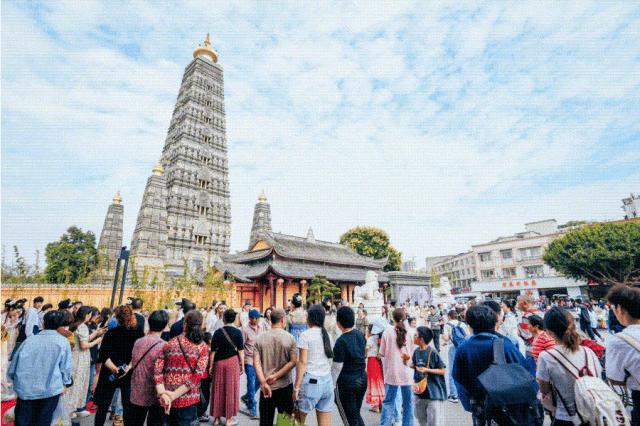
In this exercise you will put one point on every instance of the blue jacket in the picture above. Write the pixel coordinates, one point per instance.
(41, 366)
(472, 358)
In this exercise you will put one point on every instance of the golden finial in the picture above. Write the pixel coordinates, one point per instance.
(205, 49)
(262, 198)
(158, 170)
(117, 199)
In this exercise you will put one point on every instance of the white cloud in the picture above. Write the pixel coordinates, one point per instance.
(393, 114)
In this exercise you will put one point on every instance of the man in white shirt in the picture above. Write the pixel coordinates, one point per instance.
(32, 317)
(623, 349)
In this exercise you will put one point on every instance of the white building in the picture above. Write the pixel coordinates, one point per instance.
(514, 264)
(460, 269)
(631, 206)
(432, 260)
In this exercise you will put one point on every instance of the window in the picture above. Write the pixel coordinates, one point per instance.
(530, 252)
(201, 240)
(508, 272)
(533, 271)
(487, 273)
(506, 254)
(485, 257)
(207, 139)
(203, 211)
(209, 103)
(204, 184)
(207, 120)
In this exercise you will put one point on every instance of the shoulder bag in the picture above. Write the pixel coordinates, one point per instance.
(421, 386)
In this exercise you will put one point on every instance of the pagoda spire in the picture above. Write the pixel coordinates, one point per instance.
(110, 241)
(261, 219)
(205, 50)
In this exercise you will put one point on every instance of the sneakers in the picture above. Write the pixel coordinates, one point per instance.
(254, 414)
(453, 399)
(204, 418)
(83, 413)
(245, 400)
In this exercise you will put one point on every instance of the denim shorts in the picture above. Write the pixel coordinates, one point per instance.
(316, 396)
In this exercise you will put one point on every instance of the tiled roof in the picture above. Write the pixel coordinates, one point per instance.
(295, 269)
(292, 247)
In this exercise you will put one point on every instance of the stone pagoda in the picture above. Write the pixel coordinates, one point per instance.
(110, 241)
(261, 219)
(185, 215)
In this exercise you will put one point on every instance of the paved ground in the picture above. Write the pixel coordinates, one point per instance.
(454, 416)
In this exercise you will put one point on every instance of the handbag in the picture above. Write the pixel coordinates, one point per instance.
(284, 419)
(420, 387)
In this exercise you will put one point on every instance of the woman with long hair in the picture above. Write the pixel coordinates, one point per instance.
(313, 388)
(226, 364)
(397, 349)
(178, 370)
(557, 366)
(113, 363)
(375, 378)
(81, 360)
(265, 321)
(105, 316)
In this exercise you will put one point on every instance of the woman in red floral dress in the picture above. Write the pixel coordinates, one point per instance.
(178, 371)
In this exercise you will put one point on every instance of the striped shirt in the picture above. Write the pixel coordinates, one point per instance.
(172, 370)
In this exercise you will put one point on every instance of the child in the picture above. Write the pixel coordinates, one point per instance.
(375, 379)
(427, 361)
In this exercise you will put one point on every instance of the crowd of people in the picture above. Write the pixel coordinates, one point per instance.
(184, 366)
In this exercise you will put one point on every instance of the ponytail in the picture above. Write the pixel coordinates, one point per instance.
(560, 322)
(401, 331)
(315, 317)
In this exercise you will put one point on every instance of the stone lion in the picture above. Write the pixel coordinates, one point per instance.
(369, 290)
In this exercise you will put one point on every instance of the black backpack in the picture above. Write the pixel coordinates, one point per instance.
(510, 392)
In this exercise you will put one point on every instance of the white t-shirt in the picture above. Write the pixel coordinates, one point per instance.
(372, 345)
(621, 357)
(318, 364)
(244, 318)
(550, 370)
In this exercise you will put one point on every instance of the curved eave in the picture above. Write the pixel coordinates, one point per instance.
(373, 263)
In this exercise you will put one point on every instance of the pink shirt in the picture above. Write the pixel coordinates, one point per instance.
(395, 371)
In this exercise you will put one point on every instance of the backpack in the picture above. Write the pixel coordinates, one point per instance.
(596, 403)
(458, 335)
(510, 391)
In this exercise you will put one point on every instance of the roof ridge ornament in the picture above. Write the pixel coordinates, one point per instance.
(310, 236)
(205, 50)
(262, 198)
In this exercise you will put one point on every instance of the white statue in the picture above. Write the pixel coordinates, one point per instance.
(442, 294)
(368, 291)
(369, 296)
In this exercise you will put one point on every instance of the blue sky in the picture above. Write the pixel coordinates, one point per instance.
(445, 123)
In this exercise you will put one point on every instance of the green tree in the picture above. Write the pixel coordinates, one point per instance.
(608, 253)
(72, 258)
(21, 266)
(321, 287)
(435, 279)
(214, 280)
(373, 242)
